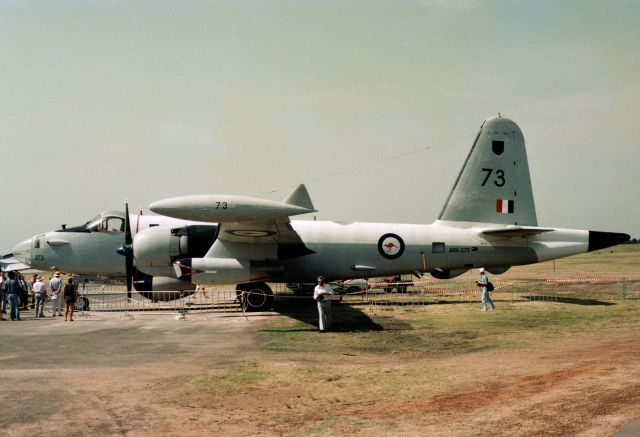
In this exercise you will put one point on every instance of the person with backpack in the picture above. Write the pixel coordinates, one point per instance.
(487, 288)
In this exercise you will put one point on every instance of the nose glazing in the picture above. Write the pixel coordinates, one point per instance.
(22, 251)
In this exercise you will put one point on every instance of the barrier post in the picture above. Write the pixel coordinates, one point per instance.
(126, 314)
(624, 285)
(182, 309)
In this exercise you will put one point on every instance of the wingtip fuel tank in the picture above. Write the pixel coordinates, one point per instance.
(233, 208)
(224, 208)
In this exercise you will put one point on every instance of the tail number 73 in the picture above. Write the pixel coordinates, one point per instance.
(498, 178)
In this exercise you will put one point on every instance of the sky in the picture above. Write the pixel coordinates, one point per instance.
(373, 105)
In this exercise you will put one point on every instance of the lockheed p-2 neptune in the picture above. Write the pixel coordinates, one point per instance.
(488, 220)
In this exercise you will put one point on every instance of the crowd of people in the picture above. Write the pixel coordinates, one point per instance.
(16, 294)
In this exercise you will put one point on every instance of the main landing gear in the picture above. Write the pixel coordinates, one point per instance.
(255, 296)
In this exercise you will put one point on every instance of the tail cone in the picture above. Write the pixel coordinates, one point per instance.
(600, 240)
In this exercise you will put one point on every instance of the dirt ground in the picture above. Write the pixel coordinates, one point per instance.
(273, 374)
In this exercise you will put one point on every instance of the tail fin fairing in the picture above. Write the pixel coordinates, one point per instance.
(494, 185)
(300, 197)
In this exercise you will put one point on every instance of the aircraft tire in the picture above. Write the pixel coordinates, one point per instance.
(258, 296)
(82, 304)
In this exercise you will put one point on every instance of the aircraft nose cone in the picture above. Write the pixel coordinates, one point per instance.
(22, 251)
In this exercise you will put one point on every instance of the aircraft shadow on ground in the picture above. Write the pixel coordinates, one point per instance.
(569, 300)
(345, 318)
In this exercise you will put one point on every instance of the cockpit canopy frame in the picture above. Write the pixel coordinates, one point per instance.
(106, 221)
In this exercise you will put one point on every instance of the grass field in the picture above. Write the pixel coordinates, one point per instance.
(557, 358)
(414, 370)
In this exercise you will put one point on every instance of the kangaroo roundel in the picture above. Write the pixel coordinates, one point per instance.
(390, 246)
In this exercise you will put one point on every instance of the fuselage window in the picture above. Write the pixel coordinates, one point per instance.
(437, 248)
(36, 243)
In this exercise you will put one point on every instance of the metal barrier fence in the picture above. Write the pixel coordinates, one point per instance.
(429, 291)
(114, 298)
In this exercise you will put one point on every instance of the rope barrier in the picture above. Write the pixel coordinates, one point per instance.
(605, 280)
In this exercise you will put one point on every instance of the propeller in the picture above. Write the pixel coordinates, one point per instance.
(126, 250)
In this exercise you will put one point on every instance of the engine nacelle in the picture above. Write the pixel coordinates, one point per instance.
(447, 274)
(163, 289)
(226, 270)
(498, 270)
(156, 249)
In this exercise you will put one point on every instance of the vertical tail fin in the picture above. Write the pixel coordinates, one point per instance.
(494, 185)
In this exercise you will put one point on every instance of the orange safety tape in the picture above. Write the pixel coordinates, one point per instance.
(610, 279)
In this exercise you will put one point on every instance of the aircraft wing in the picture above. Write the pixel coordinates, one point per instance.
(277, 233)
(248, 227)
(514, 232)
(9, 263)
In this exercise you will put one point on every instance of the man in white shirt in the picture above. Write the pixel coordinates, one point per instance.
(322, 294)
(40, 295)
(55, 286)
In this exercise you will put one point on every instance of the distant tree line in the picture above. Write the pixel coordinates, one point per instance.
(633, 241)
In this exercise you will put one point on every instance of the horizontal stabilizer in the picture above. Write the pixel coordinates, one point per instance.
(515, 232)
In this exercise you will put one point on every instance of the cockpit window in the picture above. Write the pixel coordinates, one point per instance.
(95, 224)
(106, 224)
(114, 224)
